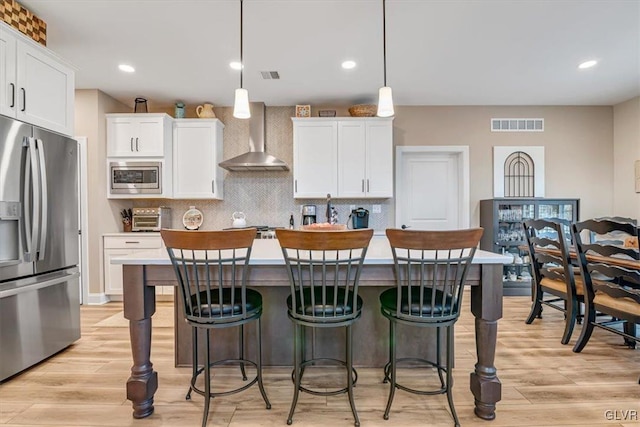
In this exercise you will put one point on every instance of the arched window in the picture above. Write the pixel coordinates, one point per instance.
(519, 174)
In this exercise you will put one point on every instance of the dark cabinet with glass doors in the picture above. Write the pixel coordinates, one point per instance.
(503, 233)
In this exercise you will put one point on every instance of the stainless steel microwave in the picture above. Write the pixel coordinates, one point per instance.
(131, 177)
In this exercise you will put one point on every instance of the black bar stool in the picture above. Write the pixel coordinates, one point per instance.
(431, 268)
(211, 268)
(324, 270)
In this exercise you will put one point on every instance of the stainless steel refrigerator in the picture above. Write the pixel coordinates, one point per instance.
(39, 279)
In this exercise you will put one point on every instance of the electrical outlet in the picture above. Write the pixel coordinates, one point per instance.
(376, 209)
(352, 207)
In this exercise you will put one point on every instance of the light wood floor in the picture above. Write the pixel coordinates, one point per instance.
(543, 384)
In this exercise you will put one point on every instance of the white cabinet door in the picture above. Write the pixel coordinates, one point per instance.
(113, 272)
(379, 154)
(46, 90)
(37, 87)
(351, 159)
(137, 135)
(197, 150)
(315, 153)
(8, 85)
(149, 138)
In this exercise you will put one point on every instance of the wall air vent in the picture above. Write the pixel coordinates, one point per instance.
(517, 125)
(270, 75)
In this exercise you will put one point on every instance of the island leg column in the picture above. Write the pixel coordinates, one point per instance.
(139, 305)
(486, 306)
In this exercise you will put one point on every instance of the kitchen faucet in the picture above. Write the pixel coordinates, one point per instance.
(329, 208)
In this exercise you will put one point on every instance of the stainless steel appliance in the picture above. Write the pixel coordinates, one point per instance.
(308, 214)
(134, 177)
(39, 279)
(151, 219)
(359, 218)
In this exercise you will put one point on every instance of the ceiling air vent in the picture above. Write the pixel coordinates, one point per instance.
(517, 125)
(270, 75)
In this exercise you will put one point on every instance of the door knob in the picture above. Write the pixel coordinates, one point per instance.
(404, 227)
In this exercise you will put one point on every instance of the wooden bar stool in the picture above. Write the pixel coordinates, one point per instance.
(324, 270)
(431, 268)
(211, 268)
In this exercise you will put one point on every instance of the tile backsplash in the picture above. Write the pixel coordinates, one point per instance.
(266, 198)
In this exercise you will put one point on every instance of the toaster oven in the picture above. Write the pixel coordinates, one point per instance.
(151, 219)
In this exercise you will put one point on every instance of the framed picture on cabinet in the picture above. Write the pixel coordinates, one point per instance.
(303, 110)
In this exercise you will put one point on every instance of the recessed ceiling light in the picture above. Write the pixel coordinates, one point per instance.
(126, 68)
(235, 65)
(347, 65)
(587, 64)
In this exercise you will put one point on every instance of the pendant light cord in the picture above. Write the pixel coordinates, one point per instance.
(241, 59)
(384, 39)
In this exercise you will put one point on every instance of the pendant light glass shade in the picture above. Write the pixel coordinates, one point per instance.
(241, 105)
(385, 102)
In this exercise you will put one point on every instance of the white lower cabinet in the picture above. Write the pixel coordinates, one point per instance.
(122, 245)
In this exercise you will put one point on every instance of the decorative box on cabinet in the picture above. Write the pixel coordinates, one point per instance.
(36, 86)
(346, 157)
(138, 135)
(197, 150)
(123, 244)
(503, 233)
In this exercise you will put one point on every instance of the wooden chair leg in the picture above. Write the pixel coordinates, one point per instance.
(587, 330)
(536, 308)
(570, 320)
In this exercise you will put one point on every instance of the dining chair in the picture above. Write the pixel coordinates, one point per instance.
(555, 280)
(610, 288)
(211, 268)
(324, 271)
(430, 269)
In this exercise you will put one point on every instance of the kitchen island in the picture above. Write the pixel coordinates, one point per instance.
(145, 270)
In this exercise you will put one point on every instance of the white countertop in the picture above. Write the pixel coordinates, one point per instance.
(268, 252)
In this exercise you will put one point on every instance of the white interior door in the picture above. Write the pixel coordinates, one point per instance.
(432, 190)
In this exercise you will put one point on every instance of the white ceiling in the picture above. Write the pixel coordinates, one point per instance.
(439, 52)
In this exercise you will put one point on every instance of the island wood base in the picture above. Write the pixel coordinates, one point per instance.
(370, 332)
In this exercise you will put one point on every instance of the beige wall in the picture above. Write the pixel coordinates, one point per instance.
(626, 151)
(91, 106)
(578, 145)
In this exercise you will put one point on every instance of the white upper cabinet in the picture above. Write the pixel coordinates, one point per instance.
(347, 157)
(138, 135)
(315, 158)
(197, 150)
(37, 87)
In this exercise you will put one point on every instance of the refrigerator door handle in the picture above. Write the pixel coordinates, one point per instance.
(44, 216)
(30, 199)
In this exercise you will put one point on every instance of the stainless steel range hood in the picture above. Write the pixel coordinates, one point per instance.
(256, 159)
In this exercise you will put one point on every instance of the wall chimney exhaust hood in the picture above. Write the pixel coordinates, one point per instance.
(256, 159)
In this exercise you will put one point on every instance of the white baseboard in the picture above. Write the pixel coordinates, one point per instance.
(97, 299)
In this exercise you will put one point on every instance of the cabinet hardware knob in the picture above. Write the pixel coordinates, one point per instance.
(137, 144)
(213, 186)
(367, 185)
(24, 99)
(131, 242)
(131, 143)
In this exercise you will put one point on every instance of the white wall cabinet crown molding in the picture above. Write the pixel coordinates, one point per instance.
(197, 150)
(36, 86)
(348, 157)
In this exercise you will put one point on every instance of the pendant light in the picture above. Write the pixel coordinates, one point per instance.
(241, 104)
(385, 97)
